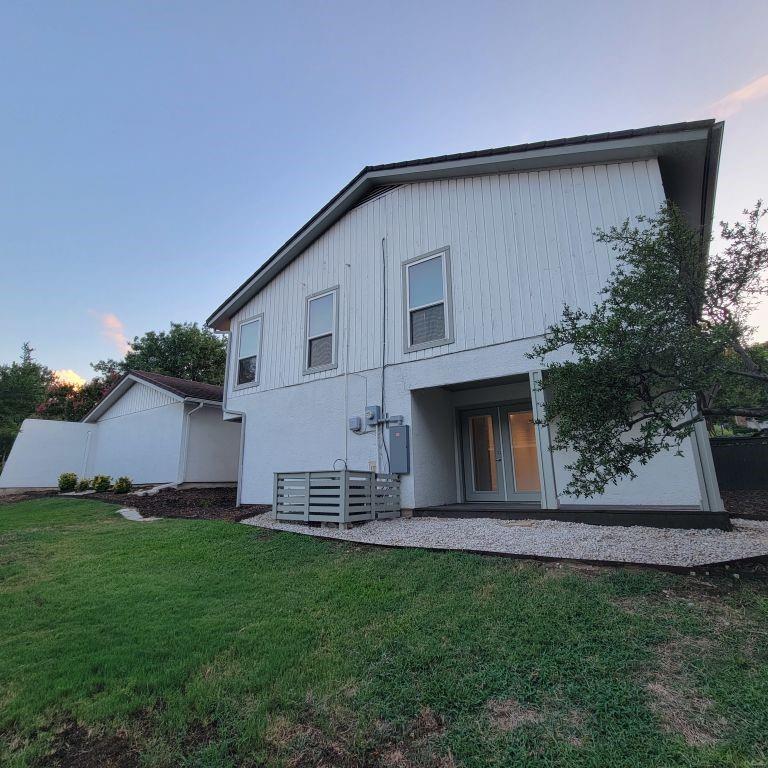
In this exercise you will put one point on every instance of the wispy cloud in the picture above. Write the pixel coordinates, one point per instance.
(736, 100)
(68, 376)
(113, 330)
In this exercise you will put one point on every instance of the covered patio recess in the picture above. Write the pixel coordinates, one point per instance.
(478, 451)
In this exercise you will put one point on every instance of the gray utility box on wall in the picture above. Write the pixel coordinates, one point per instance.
(400, 450)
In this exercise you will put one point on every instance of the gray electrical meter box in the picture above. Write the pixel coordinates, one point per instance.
(400, 450)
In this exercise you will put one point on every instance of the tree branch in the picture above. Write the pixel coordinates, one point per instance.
(758, 375)
(757, 411)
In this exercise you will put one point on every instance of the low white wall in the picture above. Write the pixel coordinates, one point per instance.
(213, 447)
(145, 446)
(45, 449)
(666, 480)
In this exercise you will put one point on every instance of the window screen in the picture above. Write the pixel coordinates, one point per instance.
(427, 324)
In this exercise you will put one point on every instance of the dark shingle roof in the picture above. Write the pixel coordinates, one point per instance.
(183, 387)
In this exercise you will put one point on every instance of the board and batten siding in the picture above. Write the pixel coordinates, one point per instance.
(521, 246)
(138, 398)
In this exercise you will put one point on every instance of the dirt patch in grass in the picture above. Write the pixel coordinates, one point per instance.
(330, 738)
(304, 745)
(508, 715)
(674, 697)
(75, 746)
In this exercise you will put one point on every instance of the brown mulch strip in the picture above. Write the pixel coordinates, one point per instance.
(752, 504)
(12, 498)
(188, 503)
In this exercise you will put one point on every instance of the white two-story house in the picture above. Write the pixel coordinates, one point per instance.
(417, 291)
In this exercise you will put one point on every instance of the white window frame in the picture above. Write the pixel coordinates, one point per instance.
(236, 365)
(334, 331)
(447, 301)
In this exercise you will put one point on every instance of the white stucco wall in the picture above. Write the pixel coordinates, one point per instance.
(304, 427)
(141, 435)
(45, 449)
(144, 445)
(213, 447)
(433, 447)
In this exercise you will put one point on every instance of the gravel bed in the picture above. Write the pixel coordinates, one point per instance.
(549, 538)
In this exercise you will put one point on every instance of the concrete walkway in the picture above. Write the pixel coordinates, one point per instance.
(551, 539)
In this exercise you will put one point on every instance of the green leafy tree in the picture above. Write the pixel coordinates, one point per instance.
(741, 391)
(22, 389)
(661, 351)
(67, 402)
(186, 351)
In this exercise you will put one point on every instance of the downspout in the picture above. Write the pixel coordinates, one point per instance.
(346, 366)
(383, 346)
(225, 408)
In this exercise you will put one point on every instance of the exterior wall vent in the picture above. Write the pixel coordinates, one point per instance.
(375, 193)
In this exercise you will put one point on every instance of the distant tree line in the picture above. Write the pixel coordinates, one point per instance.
(30, 389)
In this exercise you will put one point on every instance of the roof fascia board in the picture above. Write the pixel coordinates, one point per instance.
(544, 157)
(607, 150)
(710, 180)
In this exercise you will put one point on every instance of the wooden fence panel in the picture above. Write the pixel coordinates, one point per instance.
(341, 497)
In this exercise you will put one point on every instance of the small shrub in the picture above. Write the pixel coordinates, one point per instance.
(83, 484)
(123, 485)
(67, 482)
(101, 483)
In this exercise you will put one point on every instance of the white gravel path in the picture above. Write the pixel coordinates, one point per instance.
(548, 538)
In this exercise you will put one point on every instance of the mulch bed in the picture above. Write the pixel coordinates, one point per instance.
(749, 504)
(12, 498)
(188, 503)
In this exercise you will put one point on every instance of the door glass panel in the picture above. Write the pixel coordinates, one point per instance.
(522, 437)
(483, 452)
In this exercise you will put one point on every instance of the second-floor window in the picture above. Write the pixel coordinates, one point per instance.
(249, 352)
(321, 325)
(427, 297)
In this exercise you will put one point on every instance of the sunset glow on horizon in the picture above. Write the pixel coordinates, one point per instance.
(68, 376)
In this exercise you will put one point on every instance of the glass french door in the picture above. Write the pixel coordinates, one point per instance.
(501, 460)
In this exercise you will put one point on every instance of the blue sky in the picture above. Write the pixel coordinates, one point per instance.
(152, 155)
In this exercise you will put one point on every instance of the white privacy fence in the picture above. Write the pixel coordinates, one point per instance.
(342, 496)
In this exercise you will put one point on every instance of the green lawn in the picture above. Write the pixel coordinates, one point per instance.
(196, 643)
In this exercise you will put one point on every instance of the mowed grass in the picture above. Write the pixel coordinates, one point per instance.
(196, 643)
